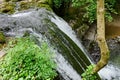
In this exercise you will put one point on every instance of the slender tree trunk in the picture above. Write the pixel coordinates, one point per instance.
(101, 36)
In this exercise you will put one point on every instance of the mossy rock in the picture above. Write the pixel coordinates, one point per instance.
(49, 2)
(6, 0)
(82, 30)
(12, 0)
(39, 5)
(2, 38)
(16, 0)
(7, 7)
(25, 5)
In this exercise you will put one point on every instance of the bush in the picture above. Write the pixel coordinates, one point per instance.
(90, 7)
(27, 61)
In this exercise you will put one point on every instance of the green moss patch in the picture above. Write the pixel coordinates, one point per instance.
(7, 8)
(10, 6)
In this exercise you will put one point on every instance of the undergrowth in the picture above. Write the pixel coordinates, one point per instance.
(27, 61)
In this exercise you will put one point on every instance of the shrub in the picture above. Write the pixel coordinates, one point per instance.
(27, 61)
(90, 7)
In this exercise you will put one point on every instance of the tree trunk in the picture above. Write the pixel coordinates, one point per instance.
(101, 36)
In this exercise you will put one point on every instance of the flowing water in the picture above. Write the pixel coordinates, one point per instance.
(71, 57)
(112, 70)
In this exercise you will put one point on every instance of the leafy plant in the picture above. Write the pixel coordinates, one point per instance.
(88, 75)
(90, 7)
(58, 3)
(27, 61)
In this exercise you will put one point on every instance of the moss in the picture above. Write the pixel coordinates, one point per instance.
(48, 2)
(2, 38)
(7, 8)
(12, 0)
(25, 5)
(7, 0)
(44, 1)
(15, 0)
(32, 4)
(39, 5)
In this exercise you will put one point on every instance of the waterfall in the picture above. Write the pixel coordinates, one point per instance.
(112, 70)
(63, 26)
(71, 57)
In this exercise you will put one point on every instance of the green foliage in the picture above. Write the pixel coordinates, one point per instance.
(88, 74)
(58, 3)
(109, 5)
(90, 11)
(27, 61)
(91, 5)
(78, 3)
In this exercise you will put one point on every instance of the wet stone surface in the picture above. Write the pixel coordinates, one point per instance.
(93, 49)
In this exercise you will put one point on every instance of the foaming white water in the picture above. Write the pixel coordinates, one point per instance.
(65, 69)
(63, 26)
(20, 32)
(110, 72)
(21, 14)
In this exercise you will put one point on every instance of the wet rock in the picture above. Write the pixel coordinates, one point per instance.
(11, 6)
(82, 30)
(93, 49)
(114, 47)
(7, 7)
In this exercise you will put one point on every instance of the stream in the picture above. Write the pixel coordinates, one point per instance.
(71, 57)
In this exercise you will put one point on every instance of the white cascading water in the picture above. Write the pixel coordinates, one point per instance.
(65, 69)
(110, 72)
(64, 26)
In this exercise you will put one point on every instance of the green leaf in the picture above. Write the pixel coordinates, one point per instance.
(26, 60)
